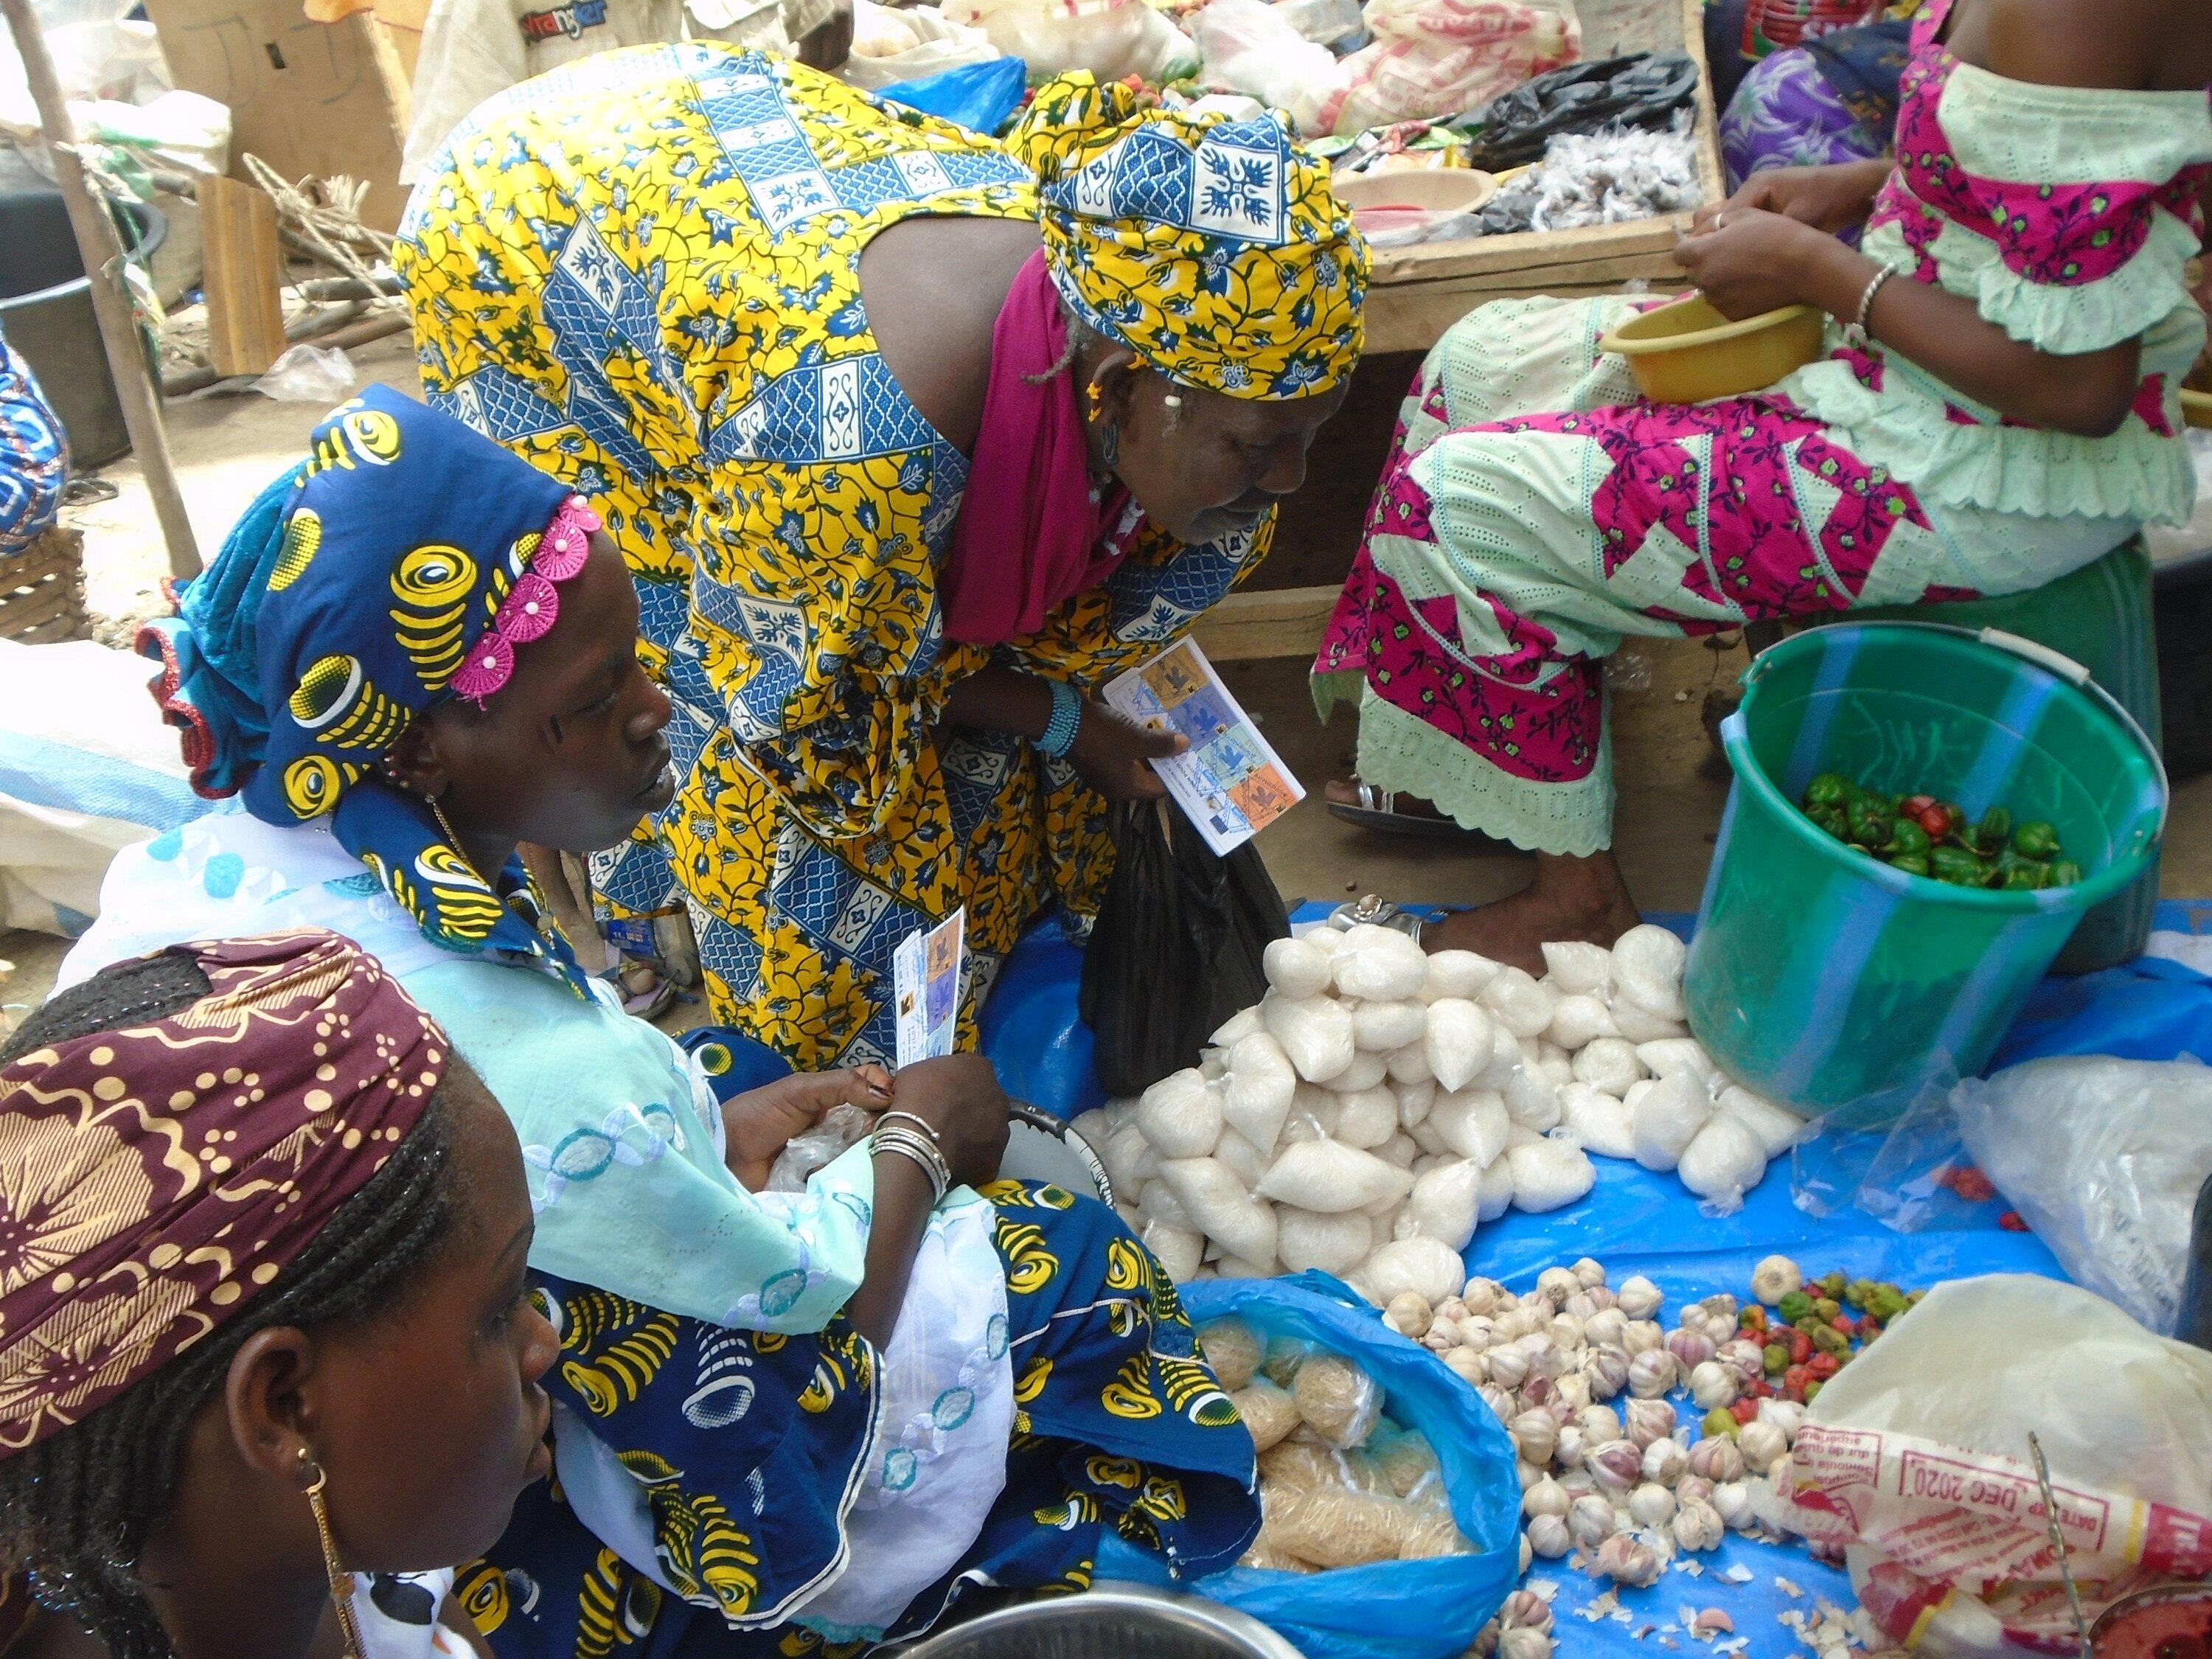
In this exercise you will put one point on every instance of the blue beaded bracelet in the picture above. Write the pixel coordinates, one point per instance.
(1067, 716)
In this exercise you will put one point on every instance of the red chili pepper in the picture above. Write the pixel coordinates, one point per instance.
(1744, 1409)
(1971, 1184)
(1795, 1391)
(2011, 1222)
(1822, 1367)
(1917, 805)
(1800, 1347)
(1844, 1324)
(1752, 1318)
(1936, 821)
(1798, 1377)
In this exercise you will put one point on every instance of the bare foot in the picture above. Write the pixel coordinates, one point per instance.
(1569, 899)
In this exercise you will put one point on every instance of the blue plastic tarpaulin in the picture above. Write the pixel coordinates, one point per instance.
(1634, 1221)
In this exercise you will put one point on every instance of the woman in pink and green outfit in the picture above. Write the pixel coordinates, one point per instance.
(2001, 409)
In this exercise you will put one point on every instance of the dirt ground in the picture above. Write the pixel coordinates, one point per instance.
(1671, 786)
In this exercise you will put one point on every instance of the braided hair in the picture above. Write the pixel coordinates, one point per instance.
(75, 1509)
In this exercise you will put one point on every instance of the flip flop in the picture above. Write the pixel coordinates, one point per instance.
(1378, 810)
(650, 1004)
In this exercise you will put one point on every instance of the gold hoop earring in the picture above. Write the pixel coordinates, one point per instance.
(341, 1580)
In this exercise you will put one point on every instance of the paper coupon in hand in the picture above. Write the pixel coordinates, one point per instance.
(1229, 783)
(925, 982)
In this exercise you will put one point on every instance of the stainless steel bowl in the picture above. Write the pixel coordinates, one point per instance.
(1112, 1621)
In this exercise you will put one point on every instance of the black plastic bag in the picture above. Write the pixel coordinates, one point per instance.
(1639, 90)
(1176, 947)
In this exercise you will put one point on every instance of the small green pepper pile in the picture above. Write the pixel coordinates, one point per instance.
(1809, 1335)
(1924, 837)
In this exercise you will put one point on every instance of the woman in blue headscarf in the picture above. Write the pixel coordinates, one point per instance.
(790, 1416)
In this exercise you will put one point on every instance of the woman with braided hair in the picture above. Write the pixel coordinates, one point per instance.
(265, 1340)
(780, 1417)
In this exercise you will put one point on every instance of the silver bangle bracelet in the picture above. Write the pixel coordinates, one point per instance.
(906, 1145)
(1866, 297)
(921, 1127)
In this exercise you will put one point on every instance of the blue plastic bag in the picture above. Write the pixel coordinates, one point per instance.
(1430, 1609)
(979, 96)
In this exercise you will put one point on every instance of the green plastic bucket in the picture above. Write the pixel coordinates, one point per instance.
(1823, 978)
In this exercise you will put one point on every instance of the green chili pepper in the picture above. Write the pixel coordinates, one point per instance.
(1828, 1339)
(1994, 829)
(1956, 865)
(1870, 824)
(1913, 864)
(1907, 835)
(1832, 820)
(1823, 1305)
(2065, 873)
(1794, 1307)
(2035, 841)
(1829, 789)
(2024, 875)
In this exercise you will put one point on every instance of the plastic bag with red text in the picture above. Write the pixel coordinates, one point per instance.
(1914, 1463)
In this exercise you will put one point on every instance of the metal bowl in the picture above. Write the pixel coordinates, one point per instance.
(1112, 1621)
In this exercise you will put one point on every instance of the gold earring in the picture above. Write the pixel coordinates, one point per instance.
(341, 1580)
(1098, 400)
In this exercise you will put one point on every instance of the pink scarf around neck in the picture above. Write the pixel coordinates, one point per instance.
(1030, 535)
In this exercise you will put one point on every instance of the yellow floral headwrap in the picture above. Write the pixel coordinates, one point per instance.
(1214, 250)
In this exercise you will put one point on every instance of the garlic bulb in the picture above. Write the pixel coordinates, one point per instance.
(1555, 1285)
(1732, 1502)
(1570, 1389)
(1786, 1415)
(1481, 1296)
(1545, 1498)
(1617, 1465)
(1536, 1390)
(1650, 1504)
(1692, 1489)
(1527, 1555)
(1525, 1610)
(1606, 1370)
(1547, 1536)
(1514, 1323)
(1591, 1520)
(1721, 1311)
(1650, 1373)
(1576, 1483)
(1567, 1446)
(1697, 1527)
(1579, 1307)
(1665, 1461)
(1714, 1458)
(1694, 1317)
(1599, 1425)
(1500, 1401)
(1648, 1420)
(1536, 1434)
(1642, 1336)
(1744, 1357)
(1690, 1348)
(1508, 1366)
(1524, 1644)
(1545, 1358)
(1713, 1385)
(1604, 1329)
(1627, 1559)
(1409, 1315)
(1530, 1474)
(1762, 1444)
(1468, 1364)
(1775, 1278)
(1639, 1298)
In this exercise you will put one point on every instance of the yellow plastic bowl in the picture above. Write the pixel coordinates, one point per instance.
(1688, 353)
(2196, 408)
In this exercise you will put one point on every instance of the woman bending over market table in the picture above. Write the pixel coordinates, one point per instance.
(780, 1417)
(910, 439)
(2005, 409)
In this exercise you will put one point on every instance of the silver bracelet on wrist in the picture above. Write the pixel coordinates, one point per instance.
(926, 1130)
(911, 1146)
(1882, 274)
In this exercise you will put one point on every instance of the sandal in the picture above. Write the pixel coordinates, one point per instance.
(655, 998)
(1378, 810)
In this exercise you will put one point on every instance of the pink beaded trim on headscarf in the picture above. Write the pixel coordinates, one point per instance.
(533, 606)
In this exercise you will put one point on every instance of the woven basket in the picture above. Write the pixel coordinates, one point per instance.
(42, 591)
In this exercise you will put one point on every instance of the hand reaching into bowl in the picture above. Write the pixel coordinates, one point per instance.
(1748, 260)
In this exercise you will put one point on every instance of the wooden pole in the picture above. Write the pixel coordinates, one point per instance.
(102, 252)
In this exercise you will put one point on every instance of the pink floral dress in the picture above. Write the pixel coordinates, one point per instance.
(1533, 512)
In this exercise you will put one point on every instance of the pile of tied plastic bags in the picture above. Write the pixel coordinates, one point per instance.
(1380, 1103)
(1426, 58)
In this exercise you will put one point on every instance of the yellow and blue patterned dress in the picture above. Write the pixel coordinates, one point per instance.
(641, 272)
(750, 1445)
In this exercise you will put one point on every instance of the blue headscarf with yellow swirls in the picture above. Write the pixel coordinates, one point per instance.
(344, 605)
